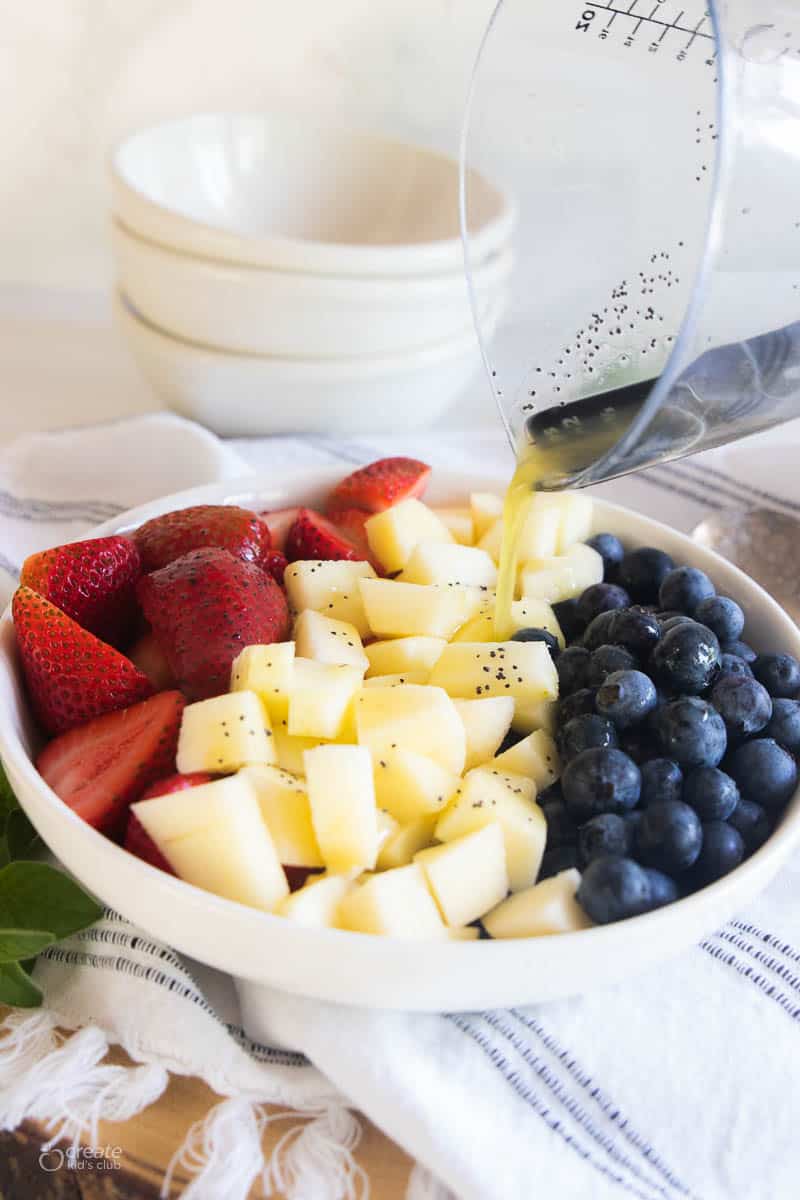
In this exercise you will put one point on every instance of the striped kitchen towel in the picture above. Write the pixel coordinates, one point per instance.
(678, 1084)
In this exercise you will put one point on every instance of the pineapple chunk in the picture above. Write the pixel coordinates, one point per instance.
(290, 750)
(536, 714)
(485, 508)
(214, 836)
(329, 586)
(486, 723)
(397, 680)
(538, 537)
(535, 756)
(465, 933)
(405, 609)
(561, 578)
(327, 640)
(403, 654)
(468, 875)
(459, 522)
(431, 562)
(400, 847)
(343, 812)
(488, 795)
(387, 826)
(393, 533)
(420, 719)
(492, 540)
(267, 671)
(287, 814)
(535, 614)
(316, 902)
(320, 696)
(575, 524)
(409, 785)
(225, 733)
(523, 670)
(395, 903)
(547, 908)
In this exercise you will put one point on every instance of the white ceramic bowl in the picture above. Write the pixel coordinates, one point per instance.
(277, 191)
(246, 394)
(251, 310)
(263, 951)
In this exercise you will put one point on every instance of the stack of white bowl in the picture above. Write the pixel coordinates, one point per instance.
(274, 276)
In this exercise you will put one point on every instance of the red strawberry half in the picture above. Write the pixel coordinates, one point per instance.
(274, 563)
(351, 522)
(204, 609)
(71, 675)
(101, 767)
(379, 485)
(279, 521)
(137, 839)
(226, 526)
(313, 536)
(94, 582)
(148, 656)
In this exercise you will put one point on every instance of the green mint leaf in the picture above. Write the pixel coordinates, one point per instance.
(21, 838)
(16, 944)
(17, 988)
(8, 801)
(34, 895)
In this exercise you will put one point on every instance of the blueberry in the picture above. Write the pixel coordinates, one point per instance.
(663, 889)
(636, 630)
(538, 635)
(723, 617)
(601, 597)
(684, 588)
(764, 771)
(626, 698)
(643, 571)
(687, 658)
(576, 705)
(669, 836)
(563, 858)
(584, 733)
(662, 779)
(561, 829)
(606, 834)
(723, 849)
(711, 793)
(752, 822)
(731, 664)
(607, 659)
(740, 649)
(632, 819)
(567, 616)
(672, 620)
(573, 670)
(551, 794)
(784, 726)
(638, 743)
(613, 888)
(599, 781)
(744, 705)
(691, 732)
(779, 673)
(610, 549)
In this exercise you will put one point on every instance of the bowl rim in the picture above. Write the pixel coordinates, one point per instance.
(766, 861)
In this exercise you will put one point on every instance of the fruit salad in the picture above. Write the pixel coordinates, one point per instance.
(309, 712)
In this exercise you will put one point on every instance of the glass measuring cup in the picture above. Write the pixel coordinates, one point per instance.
(651, 150)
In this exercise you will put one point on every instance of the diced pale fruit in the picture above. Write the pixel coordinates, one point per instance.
(215, 837)
(387, 826)
(286, 810)
(225, 733)
(316, 902)
(523, 670)
(547, 908)
(492, 539)
(486, 723)
(431, 562)
(459, 522)
(413, 718)
(319, 697)
(396, 680)
(485, 507)
(536, 714)
(393, 533)
(290, 750)
(343, 811)
(400, 847)
(409, 785)
(327, 640)
(478, 629)
(561, 578)
(403, 654)
(414, 609)
(535, 614)
(488, 795)
(395, 903)
(466, 933)
(576, 510)
(467, 875)
(267, 671)
(535, 756)
(330, 587)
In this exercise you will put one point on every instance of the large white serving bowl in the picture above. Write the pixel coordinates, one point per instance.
(263, 951)
(252, 310)
(280, 191)
(247, 394)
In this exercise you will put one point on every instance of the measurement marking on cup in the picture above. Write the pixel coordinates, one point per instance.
(592, 8)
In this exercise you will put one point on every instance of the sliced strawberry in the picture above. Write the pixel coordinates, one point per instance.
(71, 675)
(274, 563)
(379, 485)
(101, 767)
(138, 841)
(148, 656)
(279, 521)
(313, 536)
(94, 582)
(204, 609)
(237, 530)
(350, 521)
